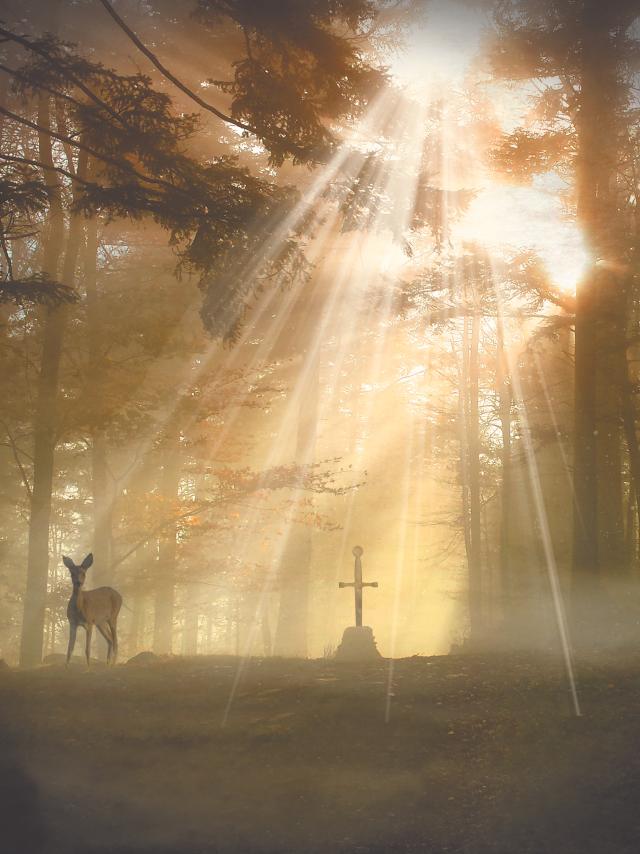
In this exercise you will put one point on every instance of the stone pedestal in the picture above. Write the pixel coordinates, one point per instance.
(358, 644)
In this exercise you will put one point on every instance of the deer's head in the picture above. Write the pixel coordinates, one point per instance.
(78, 573)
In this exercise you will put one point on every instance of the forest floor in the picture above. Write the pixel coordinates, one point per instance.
(481, 753)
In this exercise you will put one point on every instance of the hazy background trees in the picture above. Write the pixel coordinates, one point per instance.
(251, 316)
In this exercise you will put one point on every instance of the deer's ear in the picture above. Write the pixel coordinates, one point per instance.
(68, 562)
(86, 563)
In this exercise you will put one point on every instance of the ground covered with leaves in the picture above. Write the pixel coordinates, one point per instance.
(479, 754)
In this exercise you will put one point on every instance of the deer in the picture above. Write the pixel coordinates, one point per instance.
(89, 608)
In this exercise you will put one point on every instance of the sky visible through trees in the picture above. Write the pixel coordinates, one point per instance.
(280, 279)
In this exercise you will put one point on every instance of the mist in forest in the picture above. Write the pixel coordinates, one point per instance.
(319, 455)
(245, 329)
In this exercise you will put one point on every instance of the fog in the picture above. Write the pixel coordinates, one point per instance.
(319, 330)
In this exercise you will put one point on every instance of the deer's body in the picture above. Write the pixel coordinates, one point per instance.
(89, 608)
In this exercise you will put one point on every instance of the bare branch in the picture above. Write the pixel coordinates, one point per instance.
(185, 89)
(166, 73)
(123, 164)
(16, 456)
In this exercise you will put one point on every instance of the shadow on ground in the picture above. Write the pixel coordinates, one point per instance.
(480, 754)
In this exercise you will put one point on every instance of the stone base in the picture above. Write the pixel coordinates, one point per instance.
(358, 644)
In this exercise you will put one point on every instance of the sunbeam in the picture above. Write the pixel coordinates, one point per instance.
(320, 347)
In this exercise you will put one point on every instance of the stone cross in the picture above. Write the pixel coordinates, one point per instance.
(358, 583)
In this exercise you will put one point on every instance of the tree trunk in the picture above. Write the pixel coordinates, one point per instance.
(611, 545)
(101, 487)
(631, 438)
(630, 528)
(475, 518)
(237, 627)
(594, 175)
(585, 517)
(229, 624)
(167, 550)
(265, 628)
(137, 625)
(463, 401)
(46, 420)
(209, 641)
(191, 615)
(291, 630)
(504, 406)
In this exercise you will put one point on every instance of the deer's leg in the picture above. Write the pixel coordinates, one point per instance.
(72, 640)
(89, 629)
(103, 629)
(114, 635)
